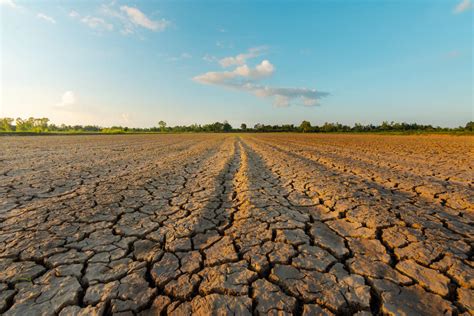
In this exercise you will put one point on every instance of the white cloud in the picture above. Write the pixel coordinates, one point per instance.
(73, 14)
(243, 78)
(462, 6)
(242, 58)
(283, 97)
(126, 26)
(139, 18)
(97, 23)
(92, 21)
(9, 3)
(125, 19)
(264, 69)
(46, 18)
(67, 99)
(214, 77)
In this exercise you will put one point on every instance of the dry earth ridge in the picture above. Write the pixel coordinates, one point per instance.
(236, 224)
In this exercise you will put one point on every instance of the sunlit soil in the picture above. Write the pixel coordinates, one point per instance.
(227, 223)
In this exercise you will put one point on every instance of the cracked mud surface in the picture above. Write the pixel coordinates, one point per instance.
(226, 224)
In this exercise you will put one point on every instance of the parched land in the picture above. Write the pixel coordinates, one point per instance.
(236, 224)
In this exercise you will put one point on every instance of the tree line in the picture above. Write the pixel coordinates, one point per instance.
(43, 125)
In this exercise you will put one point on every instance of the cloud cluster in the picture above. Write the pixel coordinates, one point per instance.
(26, 10)
(127, 19)
(264, 69)
(245, 78)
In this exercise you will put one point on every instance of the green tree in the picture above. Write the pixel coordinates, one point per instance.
(162, 125)
(385, 126)
(305, 126)
(40, 125)
(226, 127)
(258, 127)
(469, 126)
(25, 125)
(243, 126)
(6, 124)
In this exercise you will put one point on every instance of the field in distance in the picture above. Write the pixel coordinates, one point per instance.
(244, 223)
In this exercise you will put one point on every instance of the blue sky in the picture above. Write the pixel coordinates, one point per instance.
(134, 62)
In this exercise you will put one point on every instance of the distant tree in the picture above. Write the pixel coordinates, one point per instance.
(305, 126)
(358, 127)
(195, 128)
(91, 128)
(329, 127)
(287, 128)
(24, 125)
(469, 126)
(162, 125)
(214, 127)
(385, 126)
(40, 125)
(6, 124)
(227, 127)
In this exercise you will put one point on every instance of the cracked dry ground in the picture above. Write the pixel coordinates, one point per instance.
(236, 224)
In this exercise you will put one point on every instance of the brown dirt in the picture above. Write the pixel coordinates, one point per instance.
(236, 224)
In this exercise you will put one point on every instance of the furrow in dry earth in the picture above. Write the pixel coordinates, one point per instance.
(236, 224)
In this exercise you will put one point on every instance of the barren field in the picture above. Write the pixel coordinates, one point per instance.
(236, 224)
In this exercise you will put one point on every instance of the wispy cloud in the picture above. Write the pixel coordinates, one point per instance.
(285, 96)
(224, 44)
(241, 59)
(137, 17)
(93, 22)
(180, 57)
(46, 18)
(9, 3)
(97, 23)
(462, 6)
(281, 96)
(125, 19)
(245, 78)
